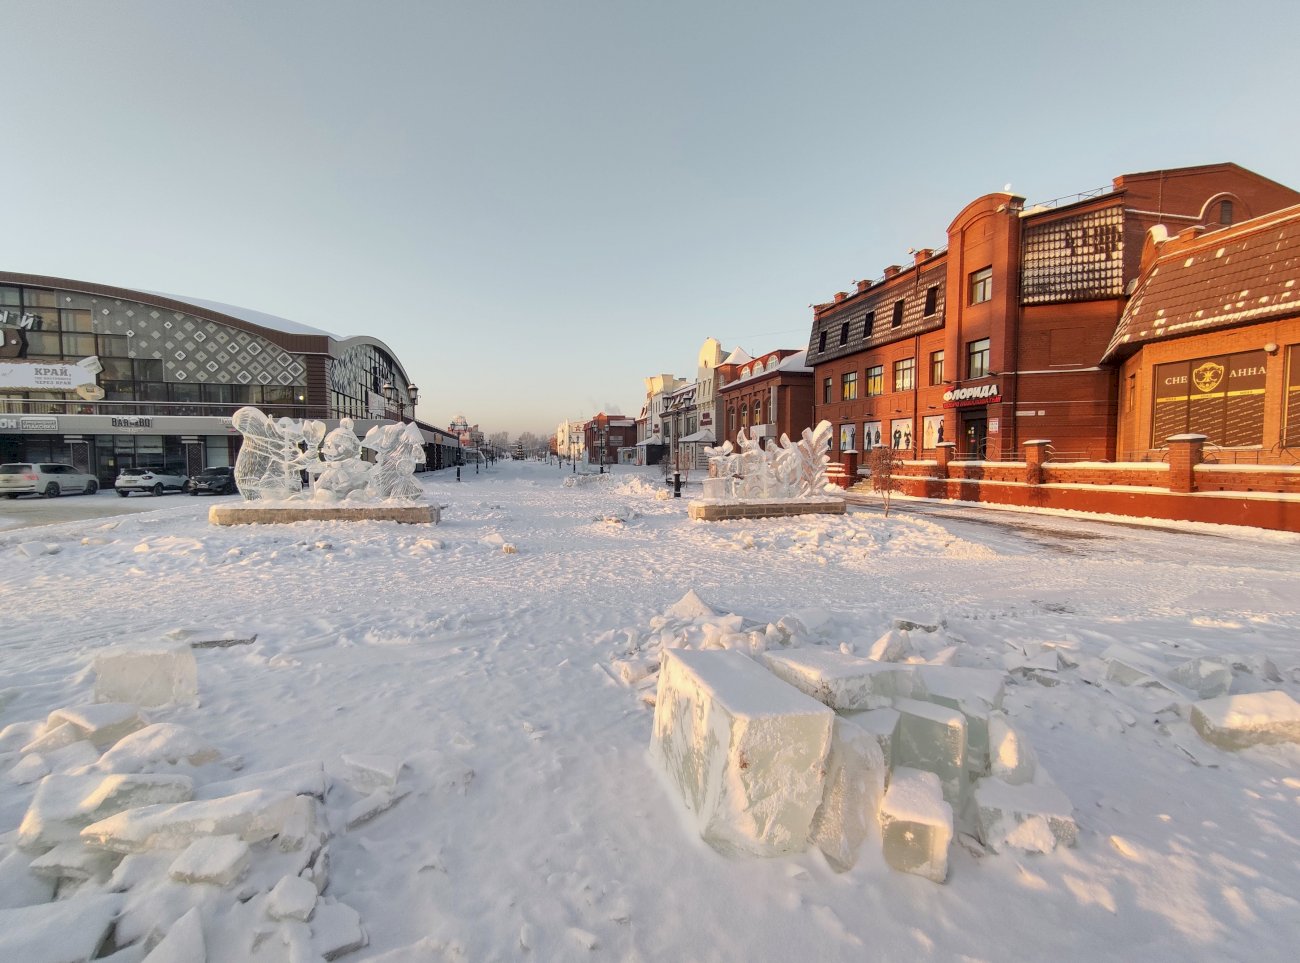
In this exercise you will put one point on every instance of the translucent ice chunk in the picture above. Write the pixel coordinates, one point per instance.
(916, 824)
(102, 724)
(845, 682)
(933, 738)
(1012, 757)
(252, 816)
(1239, 721)
(973, 692)
(883, 724)
(214, 859)
(147, 677)
(1034, 817)
(163, 743)
(855, 781)
(744, 750)
(75, 860)
(894, 646)
(63, 805)
(1208, 678)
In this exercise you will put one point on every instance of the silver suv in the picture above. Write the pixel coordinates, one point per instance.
(155, 481)
(35, 478)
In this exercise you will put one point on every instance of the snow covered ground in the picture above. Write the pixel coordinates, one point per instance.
(534, 826)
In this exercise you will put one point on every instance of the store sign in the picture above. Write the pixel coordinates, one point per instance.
(44, 375)
(975, 395)
(131, 423)
(29, 423)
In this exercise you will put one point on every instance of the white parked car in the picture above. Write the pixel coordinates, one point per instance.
(155, 481)
(36, 478)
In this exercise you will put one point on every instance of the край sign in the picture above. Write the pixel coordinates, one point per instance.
(45, 375)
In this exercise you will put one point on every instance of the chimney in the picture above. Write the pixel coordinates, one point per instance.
(840, 296)
(892, 271)
(924, 254)
(863, 285)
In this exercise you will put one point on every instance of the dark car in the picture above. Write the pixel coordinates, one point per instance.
(216, 481)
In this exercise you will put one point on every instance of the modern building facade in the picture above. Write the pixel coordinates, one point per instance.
(105, 378)
(999, 337)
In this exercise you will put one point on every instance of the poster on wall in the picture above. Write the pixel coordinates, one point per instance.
(870, 435)
(1292, 437)
(932, 431)
(848, 437)
(900, 432)
(1220, 397)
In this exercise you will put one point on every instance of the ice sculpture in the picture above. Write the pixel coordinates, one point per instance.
(784, 470)
(276, 455)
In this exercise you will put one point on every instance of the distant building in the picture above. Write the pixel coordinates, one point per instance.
(770, 396)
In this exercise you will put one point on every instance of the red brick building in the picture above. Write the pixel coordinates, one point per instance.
(1210, 341)
(999, 338)
(769, 396)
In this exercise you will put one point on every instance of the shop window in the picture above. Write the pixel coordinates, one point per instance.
(936, 367)
(149, 369)
(931, 299)
(113, 346)
(43, 344)
(849, 386)
(76, 321)
(152, 391)
(36, 298)
(875, 380)
(905, 374)
(981, 285)
(977, 359)
(897, 319)
(868, 323)
(78, 345)
(115, 369)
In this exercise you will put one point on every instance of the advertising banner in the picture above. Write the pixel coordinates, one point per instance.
(44, 375)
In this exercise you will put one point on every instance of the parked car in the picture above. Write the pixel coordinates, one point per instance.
(34, 478)
(218, 481)
(155, 481)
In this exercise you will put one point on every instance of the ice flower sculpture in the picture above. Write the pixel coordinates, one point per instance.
(784, 470)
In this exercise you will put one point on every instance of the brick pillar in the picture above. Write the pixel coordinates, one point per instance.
(1184, 455)
(851, 466)
(1035, 455)
(943, 454)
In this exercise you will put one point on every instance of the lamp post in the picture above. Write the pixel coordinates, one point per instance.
(392, 396)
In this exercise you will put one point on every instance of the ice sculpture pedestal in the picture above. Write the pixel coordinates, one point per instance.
(253, 513)
(719, 511)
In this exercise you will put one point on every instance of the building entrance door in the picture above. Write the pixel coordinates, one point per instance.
(975, 431)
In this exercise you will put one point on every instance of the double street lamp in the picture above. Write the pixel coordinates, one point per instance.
(393, 397)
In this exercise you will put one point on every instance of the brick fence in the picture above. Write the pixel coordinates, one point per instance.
(1184, 488)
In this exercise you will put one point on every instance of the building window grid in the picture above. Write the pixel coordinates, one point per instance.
(828, 386)
(936, 367)
(875, 380)
(905, 374)
(977, 359)
(981, 285)
(849, 386)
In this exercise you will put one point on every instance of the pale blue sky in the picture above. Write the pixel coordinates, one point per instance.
(538, 204)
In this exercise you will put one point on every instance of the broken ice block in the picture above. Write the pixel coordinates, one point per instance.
(1034, 817)
(219, 860)
(855, 781)
(883, 724)
(366, 773)
(974, 693)
(916, 824)
(74, 860)
(1130, 667)
(163, 743)
(252, 816)
(933, 737)
(1012, 757)
(300, 778)
(63, 805)
(147, 677)
(183, 943)
(76, 928)
(293, 898)
(1239, 721)
(744, 750)
(336, 929)
(894, 646)
(1208, 678)
(102, 724)
(844, 681)
(690, 606)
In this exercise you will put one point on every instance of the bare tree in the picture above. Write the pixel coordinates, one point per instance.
(883, 461)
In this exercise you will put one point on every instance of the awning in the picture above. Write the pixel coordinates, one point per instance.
(703, 435)
(648, 441)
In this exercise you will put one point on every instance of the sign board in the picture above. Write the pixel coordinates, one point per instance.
(993, 426)
(28, 423)
(44, 375)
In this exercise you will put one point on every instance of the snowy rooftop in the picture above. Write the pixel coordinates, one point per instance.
(270, 321)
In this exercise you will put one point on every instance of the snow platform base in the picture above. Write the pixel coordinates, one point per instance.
(283, 514)
(721, 511)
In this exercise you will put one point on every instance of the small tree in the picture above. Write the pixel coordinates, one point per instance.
(883, 461)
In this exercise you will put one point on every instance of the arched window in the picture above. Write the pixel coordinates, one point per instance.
(731, 420)
(744, 413)
(744, 372)
(771, 363)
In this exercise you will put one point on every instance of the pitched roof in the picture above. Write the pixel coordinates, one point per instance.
(1242, 274)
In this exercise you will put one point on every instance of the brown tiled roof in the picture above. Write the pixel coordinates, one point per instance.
(1239, 275)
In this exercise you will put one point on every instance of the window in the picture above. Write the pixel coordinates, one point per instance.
(826, 391)
(931, 299)
(844, 333)
(897, 319)
(905, 374)
(744, 413)
(936, 367)
(981, 285)
(876, 380)
(868, 324)
(821, 341)
(977, 359)
(849, 386)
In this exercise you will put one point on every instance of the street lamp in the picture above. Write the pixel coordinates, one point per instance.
(393, 398)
